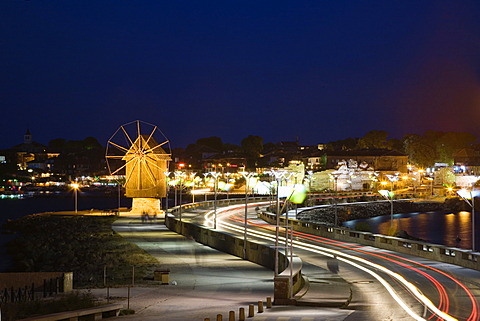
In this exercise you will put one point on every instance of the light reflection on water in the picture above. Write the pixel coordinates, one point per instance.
(450, 229)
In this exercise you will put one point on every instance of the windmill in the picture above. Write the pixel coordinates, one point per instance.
(136, 150)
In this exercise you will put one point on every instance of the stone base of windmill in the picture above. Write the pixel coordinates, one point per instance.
(142, 206)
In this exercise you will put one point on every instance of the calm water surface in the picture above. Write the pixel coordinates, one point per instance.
(434, 227)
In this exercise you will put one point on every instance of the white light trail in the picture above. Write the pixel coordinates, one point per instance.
(347, 258)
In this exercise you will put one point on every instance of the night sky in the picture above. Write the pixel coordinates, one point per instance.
(313, 70)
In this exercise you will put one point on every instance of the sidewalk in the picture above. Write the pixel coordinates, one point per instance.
(205, 282)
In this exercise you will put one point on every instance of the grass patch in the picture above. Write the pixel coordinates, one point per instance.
(83, 245)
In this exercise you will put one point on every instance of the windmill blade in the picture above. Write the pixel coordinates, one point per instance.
(123, 166)
(118, 146)
(139, 134)
(151, 134)
(155, 147)
(153, 162)
(128, 137)
(129, 175)
(150, 174)
(115, 156)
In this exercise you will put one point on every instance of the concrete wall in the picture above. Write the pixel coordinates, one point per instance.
(429, 251)
(23, 279)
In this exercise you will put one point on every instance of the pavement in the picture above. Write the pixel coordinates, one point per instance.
(205, 283)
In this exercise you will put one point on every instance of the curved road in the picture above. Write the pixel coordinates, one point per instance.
(386, 285)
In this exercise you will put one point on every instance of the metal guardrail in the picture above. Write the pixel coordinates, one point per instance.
(220, 203)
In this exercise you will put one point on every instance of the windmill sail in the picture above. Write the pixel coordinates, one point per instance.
(145, 162)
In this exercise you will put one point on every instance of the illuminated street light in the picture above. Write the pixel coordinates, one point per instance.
(215, 185)
(227, 185)
(279, 175)
(389, 196)
(431, 184)
(205, 183)
(335, 176)
(247, 177)
(180, 175)
(167, 174)
(469, 198)
(75, 192)
(393, 179)
(192, 178)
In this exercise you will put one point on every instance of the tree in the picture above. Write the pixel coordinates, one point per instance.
(91, 143)
(374, 139)
(252, 146)
(396, 145)
(420, 150)
(448, 143)
(57, 145)
(343, 144)
(212, 144)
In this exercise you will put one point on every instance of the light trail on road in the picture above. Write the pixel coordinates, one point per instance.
(440, 311)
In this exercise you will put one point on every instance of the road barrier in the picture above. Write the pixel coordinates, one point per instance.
(241, 311)
(241, 314)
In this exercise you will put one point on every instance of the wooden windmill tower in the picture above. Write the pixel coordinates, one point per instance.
(135, 152)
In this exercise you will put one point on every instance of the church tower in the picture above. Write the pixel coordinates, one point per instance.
(27, 138)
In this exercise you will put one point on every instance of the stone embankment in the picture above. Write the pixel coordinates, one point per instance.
(347, 212)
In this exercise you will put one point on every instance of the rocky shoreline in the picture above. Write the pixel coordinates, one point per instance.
(347, 212)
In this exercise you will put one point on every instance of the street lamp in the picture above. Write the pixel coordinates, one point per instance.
(393, 179)
(215, 185)
(388, 196)
(431, 184)
(279, 174)
(205, 184)
(469, 198)
(192, 178)
(167, 174)
(335, 176)
(180, 175)
(227, 185)
(75, 192)
(247, 177)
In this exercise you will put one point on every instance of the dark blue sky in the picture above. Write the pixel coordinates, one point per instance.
(316, 70)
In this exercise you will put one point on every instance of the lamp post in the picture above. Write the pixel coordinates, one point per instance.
(393, 179)
(119, 195)
(167, 174)
(180, 175)
(469, 198)
(215, 185)
(192, 177)
(431, 185)
(227, 182)
(310, 178)
(75, 192)
(335, 176)
(279, 174)
(247, 177)
(389, 196)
